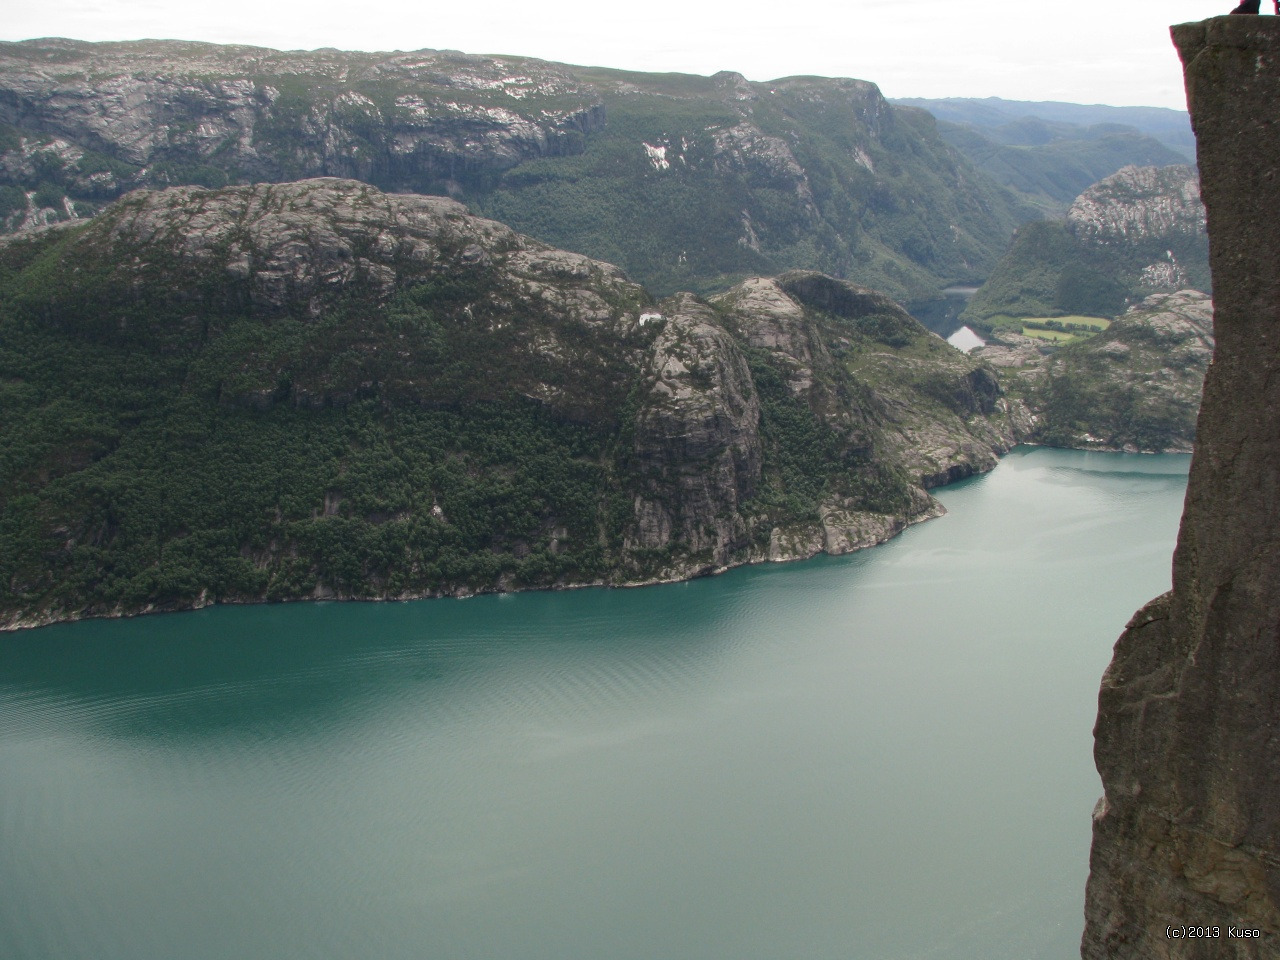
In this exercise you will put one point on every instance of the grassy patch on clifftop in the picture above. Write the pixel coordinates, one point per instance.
(1135, 385)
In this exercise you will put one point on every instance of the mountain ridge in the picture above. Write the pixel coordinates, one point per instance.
(1049, 152)
(1170, 127)
(686, 182)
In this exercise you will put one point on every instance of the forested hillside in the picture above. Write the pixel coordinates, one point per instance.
(316, 389)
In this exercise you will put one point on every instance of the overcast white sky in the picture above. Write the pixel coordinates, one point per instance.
(1082, 51)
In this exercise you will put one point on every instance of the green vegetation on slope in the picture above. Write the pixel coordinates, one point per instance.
(314, 389)
(796, 178)
(152, 462)
(1137, 232)
(672, 230)
(1030, 282)
(1135, 385)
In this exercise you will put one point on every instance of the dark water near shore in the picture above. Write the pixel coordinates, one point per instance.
(883, 756)
(942, 314)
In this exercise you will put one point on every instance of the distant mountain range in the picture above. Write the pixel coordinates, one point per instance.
(1170, 127)
(686, 182)
(1049, 152)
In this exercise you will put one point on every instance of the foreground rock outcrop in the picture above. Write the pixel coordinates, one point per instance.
(1186, 851)
(316, 389)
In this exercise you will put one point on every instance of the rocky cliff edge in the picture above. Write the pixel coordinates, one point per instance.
(1186, 849)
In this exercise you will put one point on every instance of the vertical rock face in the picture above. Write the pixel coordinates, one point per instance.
(697, 440)
(1188, 733)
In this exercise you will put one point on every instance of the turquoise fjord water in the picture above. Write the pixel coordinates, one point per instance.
(883, 756)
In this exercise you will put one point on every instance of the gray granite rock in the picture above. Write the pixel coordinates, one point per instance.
(1187, 835)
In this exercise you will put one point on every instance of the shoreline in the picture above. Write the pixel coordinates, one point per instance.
(897, 526)
(695, 572)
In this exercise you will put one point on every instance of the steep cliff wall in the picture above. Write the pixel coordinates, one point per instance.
(1188, 737)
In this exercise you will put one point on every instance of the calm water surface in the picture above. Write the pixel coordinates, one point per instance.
(883, 756)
